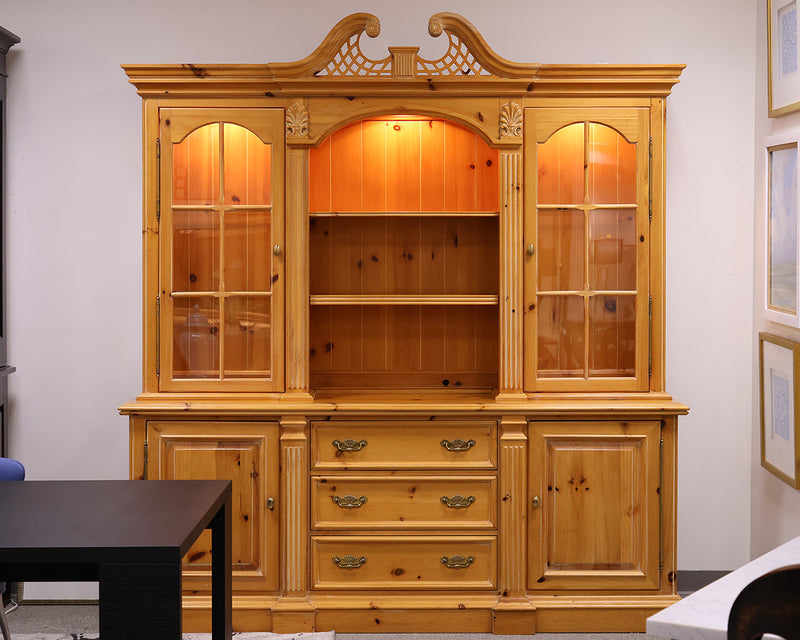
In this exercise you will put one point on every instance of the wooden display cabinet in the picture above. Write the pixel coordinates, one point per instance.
(414, 309)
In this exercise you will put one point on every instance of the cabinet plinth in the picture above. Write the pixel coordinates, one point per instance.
(413, 309)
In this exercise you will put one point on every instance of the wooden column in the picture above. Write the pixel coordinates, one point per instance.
(297, 285)
(293, 612)
(511, 275)
(657, 241)
(513, 613)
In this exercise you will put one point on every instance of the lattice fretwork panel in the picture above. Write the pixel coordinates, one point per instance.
(351, 61)
(457, 61)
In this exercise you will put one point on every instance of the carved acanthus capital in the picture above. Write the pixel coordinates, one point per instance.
(297, 120)
(511, 120)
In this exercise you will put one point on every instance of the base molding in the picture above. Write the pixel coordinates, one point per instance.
(476, 613)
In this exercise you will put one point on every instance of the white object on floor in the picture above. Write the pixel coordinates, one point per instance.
(703, 615)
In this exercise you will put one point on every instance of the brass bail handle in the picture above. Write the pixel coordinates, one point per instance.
(349, 562)
(457, 562)
(458, 444)
(349, 501)
(457, 502)
(349, 444)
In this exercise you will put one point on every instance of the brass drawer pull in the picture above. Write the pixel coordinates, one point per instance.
(349, 501)
(349, 562)
(458, 444)
(349, 444)
(457, 502)
(457, 562)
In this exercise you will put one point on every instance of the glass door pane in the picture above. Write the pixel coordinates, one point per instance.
(612, 249)
(196, 343)
(561, 342)
(587, 253)
(223, 269)
(561, 254)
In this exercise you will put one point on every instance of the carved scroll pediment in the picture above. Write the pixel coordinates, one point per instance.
(340, 54)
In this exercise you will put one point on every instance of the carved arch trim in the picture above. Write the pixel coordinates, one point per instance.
(343, 37)
(340, 55)
(325, 129)
(466, 42)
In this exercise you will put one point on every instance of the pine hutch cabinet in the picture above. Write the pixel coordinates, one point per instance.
(414, 309)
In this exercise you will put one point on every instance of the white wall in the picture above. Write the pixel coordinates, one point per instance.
(775, 514)
(74, 211)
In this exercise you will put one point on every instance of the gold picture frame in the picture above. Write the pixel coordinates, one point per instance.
(782, 229)
(783, 56)
(779, 360)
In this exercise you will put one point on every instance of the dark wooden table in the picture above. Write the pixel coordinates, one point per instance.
(130, 535)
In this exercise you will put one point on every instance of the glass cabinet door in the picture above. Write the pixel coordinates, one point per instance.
(221, 234)
(586, 269)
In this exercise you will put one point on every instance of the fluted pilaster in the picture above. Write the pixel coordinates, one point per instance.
(511, 272)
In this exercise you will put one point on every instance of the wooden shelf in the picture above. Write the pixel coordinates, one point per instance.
(438, 300)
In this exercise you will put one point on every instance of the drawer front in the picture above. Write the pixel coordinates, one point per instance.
(410, 502)
(403, 562)
(404, 445)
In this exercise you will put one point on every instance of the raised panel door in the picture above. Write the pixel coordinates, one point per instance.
(246, 454)
(595, 500)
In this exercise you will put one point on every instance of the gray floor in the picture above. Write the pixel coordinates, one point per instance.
(52, 618)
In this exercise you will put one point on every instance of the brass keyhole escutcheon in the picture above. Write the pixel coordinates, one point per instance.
(536, 502)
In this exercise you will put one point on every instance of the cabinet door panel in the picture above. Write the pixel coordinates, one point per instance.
(246, 454)
(587, 271)
(221, 236)
(596, 525)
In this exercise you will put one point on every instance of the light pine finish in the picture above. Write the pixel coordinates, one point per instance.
(452, 320)
(244, 453)
(407, 562)
(594, 508)
(564, 271)
(394, 444)
(297, 272)
(403, 502)
(204, 235)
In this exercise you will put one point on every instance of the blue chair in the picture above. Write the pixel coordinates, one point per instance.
(9, 470)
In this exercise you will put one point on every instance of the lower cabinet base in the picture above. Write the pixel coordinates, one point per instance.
(434, 614)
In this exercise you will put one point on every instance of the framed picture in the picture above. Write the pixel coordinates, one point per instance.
(780, 376)
(782, 286)
(784, 62)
